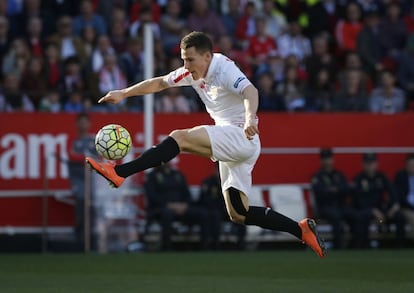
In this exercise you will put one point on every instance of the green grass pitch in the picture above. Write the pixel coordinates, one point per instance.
(252, 272)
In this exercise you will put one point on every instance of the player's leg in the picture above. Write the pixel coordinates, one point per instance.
(194, 140)
(240, 212)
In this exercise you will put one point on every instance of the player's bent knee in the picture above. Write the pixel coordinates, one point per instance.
(180, 137)
(236, 217)
(236, 207)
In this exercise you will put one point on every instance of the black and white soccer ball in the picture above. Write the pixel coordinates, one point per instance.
(113, 142)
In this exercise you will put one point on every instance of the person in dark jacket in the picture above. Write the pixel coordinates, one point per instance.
(404, 186)
(375, 198)
(211, 198)
(330, 189)
(169, 199)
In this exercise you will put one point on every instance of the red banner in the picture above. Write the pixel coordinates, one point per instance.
(33, 146)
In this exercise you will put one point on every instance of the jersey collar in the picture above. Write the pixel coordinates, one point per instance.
(211, 69)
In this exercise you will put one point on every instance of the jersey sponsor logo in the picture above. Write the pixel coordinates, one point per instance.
(238, 81)
(181, 76)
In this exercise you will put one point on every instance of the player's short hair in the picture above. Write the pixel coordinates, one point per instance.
(199, 40)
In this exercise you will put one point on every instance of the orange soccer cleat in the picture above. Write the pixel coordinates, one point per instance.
(107, 170)
(311, 237)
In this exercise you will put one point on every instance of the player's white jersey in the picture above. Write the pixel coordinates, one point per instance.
(220, 90)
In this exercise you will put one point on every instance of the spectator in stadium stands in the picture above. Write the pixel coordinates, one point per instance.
(132, 61)
(89, 38)
(12, 98)
(404, 185)
(291, 90)
(294, 42)
(321, 94)
(330, 189)
(72, 78)
(231, 17)
(241, 58)
(51, 102)
(347, 29)
(136, 28)
(111, 77)
(393, 33)
(320, 58)
(352, 96)
(375, 198)
(34, 9)
(269, 99)
(102, 48)
(172, 100)
(211, 198)
(206, 20)
(406, 70)
(118, 34)
(276, 23)
(260, 44)
(34, 36)
(137, 6)
(68, 44)
(172, 24)
(246, 26)
(274, 64)
(387, 98)
(169, 199)
(293, 61)
(353, 62)
(368, 45)
(322, 17)
(118, 14)
(74, 104)
(16, 57)
(80, 146)
(88, 17)
(34, 81)
(53, 66)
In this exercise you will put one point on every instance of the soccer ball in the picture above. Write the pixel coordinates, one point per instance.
(113, 142)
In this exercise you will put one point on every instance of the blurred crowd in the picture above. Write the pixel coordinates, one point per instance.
(302, 55)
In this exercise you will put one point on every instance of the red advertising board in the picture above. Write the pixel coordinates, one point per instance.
(33, 145)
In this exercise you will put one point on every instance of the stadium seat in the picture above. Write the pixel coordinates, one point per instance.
(289, 200)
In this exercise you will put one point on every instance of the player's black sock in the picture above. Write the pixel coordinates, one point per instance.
(153, 157)
(269, 219)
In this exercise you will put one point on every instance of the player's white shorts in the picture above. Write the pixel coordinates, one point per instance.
(236, 155)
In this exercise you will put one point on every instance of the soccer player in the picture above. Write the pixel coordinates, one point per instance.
(232, 101)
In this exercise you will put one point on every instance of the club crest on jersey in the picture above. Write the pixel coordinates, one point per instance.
(238, 81)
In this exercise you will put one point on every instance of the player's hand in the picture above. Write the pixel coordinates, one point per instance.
(251, 129)
(113, 97)
(379, 216)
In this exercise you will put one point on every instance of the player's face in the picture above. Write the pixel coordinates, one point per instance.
(196, 63)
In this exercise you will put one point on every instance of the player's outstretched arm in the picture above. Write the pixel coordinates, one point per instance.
(251, 103)
(144, 87)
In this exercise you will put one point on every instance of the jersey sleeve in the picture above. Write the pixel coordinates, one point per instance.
(234, 79)
(178, 77)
